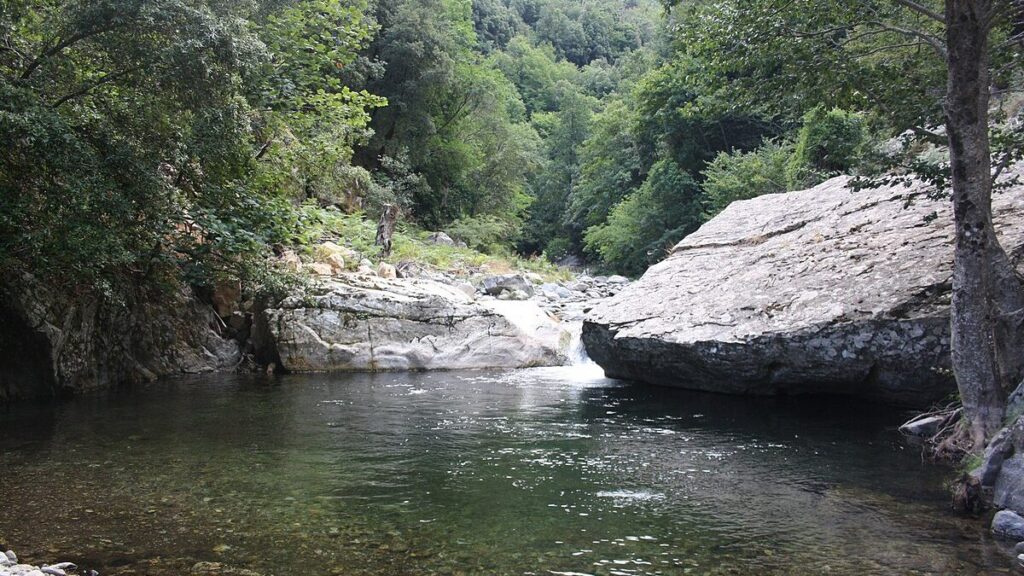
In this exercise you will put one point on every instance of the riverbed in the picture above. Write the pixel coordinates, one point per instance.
(528, 472)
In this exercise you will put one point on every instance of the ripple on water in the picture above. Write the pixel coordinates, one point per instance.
(542, 471)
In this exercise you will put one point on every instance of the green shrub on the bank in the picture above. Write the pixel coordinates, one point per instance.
(830, 142)
(410, 244)
(486, 233)
(744, 175)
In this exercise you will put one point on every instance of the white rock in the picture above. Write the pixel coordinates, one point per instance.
(368, 323)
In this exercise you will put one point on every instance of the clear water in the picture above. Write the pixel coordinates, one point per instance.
(530, 472)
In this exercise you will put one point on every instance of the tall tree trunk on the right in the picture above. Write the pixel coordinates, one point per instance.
(974, 318)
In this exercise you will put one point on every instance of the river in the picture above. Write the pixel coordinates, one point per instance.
(529, 472)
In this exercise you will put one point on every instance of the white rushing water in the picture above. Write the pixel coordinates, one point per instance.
(577, 352)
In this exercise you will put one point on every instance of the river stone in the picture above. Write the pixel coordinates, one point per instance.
(927, 426)
(495, 285)
(821, 291)
(441, 239)
(367, 324)
(1008, 524)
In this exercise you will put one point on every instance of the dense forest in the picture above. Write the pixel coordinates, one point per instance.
(201, 134)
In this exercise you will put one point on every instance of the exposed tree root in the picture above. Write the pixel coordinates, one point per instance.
(951, 443)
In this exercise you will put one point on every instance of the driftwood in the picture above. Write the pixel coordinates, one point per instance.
(951, 440)
(386, 228)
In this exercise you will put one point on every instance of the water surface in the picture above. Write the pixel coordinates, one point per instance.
(529, 472)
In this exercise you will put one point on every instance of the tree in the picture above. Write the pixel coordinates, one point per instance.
(643, 228)
(892, 58)
(108, 184)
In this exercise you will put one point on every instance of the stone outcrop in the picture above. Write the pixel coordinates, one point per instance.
(53, 342)
(824, 291)
(359, 323)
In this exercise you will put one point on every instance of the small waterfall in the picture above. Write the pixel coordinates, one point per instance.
(577, 351)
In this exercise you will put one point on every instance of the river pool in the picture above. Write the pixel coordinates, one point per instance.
(528, 472)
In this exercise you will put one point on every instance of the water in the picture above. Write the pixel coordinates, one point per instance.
(530, 472)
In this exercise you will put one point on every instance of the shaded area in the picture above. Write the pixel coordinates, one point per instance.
(26, 369)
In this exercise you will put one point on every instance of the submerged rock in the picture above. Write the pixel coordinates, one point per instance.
(362, 323)
(825, 291)
(9, 566)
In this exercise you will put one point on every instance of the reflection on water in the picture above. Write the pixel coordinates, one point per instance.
(545, 471)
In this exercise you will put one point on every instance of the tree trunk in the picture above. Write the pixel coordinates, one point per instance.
(975, 361)
(386, 228)
(1009, 308)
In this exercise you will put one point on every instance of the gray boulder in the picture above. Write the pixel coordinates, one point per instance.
(923, 427)
(495, 285)
(370, 324)
(1008, 525)
(440, 238)
(55, 341)
(822, 291)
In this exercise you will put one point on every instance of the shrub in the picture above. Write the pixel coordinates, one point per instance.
(743, 175)
(830, 142)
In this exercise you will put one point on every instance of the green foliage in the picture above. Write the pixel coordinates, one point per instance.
(488, 234)
(454, 115)
(642, 228)
(830, 142)
(743, 175)
(105, 179)
(564, 132)
(610, 166)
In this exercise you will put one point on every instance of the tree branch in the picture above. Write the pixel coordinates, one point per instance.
(105, 79)
(921, 9)
(932, 41)
(61, 45)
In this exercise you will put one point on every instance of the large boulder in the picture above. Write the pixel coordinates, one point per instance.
(366, 324)
(824, 291)
(495, 285)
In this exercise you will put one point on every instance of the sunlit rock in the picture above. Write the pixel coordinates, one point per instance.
(368, 323)
(825, 291)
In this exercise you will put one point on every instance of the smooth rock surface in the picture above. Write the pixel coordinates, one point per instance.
(822, 291)
(1008, 524)
(362, 323)
(927, 426)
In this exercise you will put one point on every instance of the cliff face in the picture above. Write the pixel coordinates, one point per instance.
(55, 343)
(825, 291)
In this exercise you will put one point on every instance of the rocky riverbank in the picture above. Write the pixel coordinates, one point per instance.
(380, 318)
(10, 566)
(351, 314)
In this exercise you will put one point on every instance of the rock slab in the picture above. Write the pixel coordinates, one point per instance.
(360, 323)
(822, 291)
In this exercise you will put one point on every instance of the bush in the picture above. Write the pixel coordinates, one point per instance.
(642, 228)
(743, 175)
(831, 142)
(487, 233)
